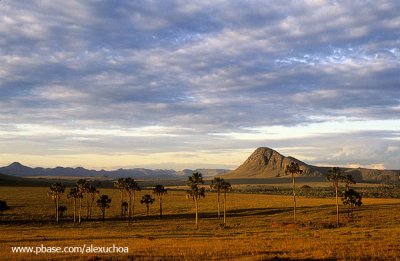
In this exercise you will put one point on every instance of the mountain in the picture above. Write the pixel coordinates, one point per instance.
(264, 162)
(267, 163)
(17, 169)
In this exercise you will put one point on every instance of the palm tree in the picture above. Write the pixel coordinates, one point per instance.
(120, 185)
(225, 187)
(53, 196)
(160, 191)
(103, 203)
(195, 192)
(82, 187)
(216, 184)
(148, 200)
(335, 175)
(131, 187)
(293, 169)
(3, 207)
(56, 190)
(92, 192)
(86, 189)
(74, 193)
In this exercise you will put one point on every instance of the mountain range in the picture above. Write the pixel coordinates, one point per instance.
(267, 163)
(262, 163)
(17, 169)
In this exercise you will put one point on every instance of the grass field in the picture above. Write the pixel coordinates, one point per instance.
(259, 227)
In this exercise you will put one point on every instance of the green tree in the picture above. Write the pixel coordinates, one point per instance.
(3, 207)
(103, 203)
(216, 184)
(74, 194)
(92, 192)
(147, 200)
(195, 191)
(131, 187)
(82, 185)
(120, 185)
(225, 187)
(335, 175)
(160, 191)
(293, 169)
(55, 192)
(351, 199)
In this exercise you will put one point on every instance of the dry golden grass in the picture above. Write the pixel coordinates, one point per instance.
(259, 227)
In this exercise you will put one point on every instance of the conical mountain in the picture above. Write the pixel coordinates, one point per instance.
(265, 163)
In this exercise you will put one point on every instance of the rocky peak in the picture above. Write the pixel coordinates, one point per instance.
(265, 162)
(16, 165)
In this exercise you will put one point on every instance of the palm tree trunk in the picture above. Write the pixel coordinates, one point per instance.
(80, 209)
(130, 208)
(104, 214)
(219, 214)
(91, 206)
(197, 213)
(87, 206)
(133, 206)
(90, 210)
(160, 207)
(225, 209)
(122, 201)
(55, 208)
(294, 198)
(74, 210)
(57, 203)
(337, 205)
(147, 212)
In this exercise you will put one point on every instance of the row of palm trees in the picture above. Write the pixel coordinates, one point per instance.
(128, 187)
(350, 198)
(82, 188)
(195, 192)
(76, 193)
(220, 185)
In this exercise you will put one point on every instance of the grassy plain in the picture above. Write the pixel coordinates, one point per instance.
(259, 227)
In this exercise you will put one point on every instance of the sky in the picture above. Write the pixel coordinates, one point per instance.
(199, 84)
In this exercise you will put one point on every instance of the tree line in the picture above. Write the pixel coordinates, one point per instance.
(350, 197)
(128, 187)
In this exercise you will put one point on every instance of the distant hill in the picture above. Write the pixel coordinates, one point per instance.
(267, 163)
(8, 180)
(17, 169)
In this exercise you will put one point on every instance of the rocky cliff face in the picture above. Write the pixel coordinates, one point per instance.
(264, 163)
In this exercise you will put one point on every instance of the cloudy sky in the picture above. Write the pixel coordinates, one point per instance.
(190, 84)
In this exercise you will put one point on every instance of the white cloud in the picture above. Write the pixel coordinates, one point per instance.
(170, 75)
(370, 166)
